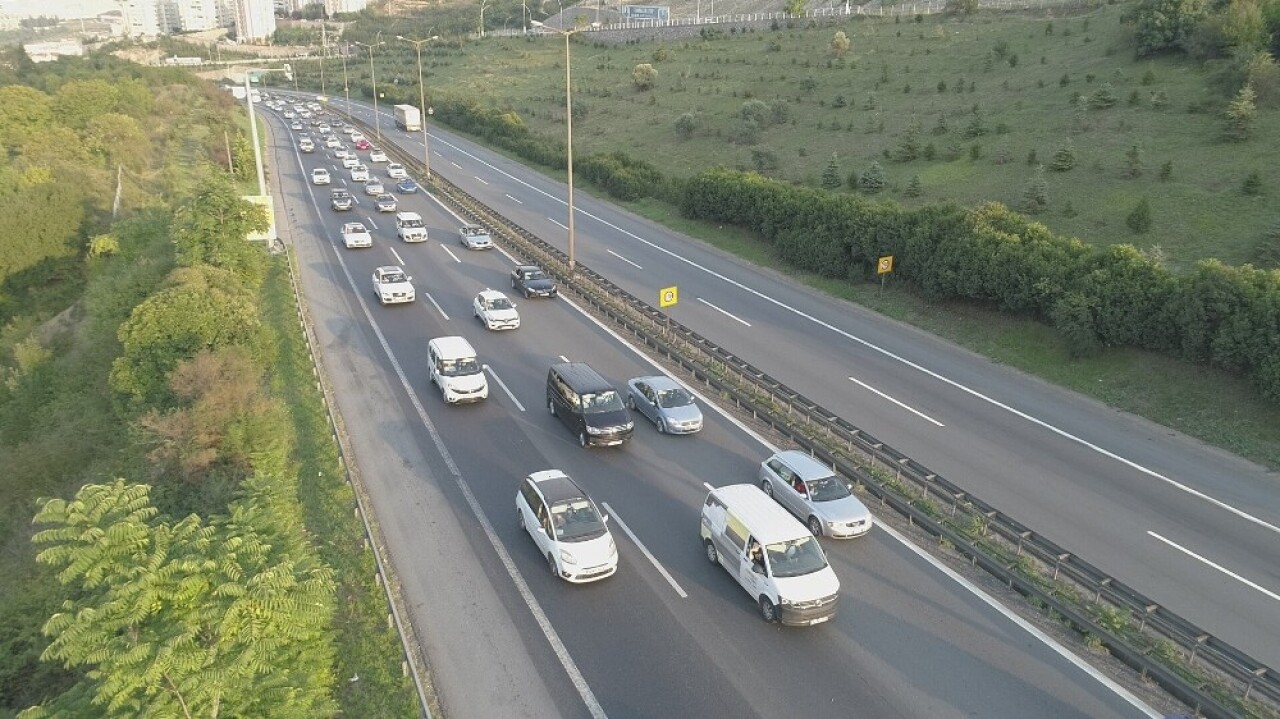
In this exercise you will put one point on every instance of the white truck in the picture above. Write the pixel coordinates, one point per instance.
(408, 118)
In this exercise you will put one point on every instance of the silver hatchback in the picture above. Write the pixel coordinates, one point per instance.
(808, 489)
(668, 405)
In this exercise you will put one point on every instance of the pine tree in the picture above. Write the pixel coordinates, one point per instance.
(1166, 171)
(909, 146)
(1140, 219)
(1064, 158)
(1035, 196)
(1240, 114)
(831, 175)
(1133, 161)
(913, 187)
(1252, 185)
(872, 181)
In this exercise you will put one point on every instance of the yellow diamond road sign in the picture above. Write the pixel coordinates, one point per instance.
(667, 296)
(885, 265)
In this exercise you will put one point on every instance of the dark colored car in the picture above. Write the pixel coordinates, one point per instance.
(588, 405)
(406, 186)
(341, 200)
(532, 282)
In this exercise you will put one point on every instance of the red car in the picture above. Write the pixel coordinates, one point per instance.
(363, 144)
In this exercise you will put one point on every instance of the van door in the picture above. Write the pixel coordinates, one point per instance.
(753, 574)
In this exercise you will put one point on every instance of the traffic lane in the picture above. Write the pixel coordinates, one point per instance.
(406, 497)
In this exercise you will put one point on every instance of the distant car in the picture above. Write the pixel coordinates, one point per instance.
(332, 142)
(363, 144)
(497, 312)
(566, 526)
(349, 130)
(410, 227)
(396, 171)
(295, 125)
(341, 200)
(377, 155)
(360, 173)
(323, 127)
(391, 285)
(354, 234)
(531, 281)
(351, 163)
(814, 494)
(386, 202)
(356, 136)
(406, 186)
(320, 176)
(475, 237)
(290, 115)
(374, 187)
(667, 404)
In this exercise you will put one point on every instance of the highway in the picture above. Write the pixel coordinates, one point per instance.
(669, 634)
(1188, 525)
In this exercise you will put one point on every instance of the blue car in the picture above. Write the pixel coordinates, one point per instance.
(406, 186)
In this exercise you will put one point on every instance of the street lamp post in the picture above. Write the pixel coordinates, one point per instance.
(422, 103)
(568, 122)
(346, 88)
(373, 78)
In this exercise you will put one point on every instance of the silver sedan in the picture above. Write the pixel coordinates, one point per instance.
(667, 404)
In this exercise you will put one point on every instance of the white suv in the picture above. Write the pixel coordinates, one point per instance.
(567, 527)
(410, 228)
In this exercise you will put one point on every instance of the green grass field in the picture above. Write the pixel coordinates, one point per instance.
(1011, 68)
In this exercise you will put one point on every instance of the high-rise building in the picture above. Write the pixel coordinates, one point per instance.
(255, 19)
(337, 6)
(196, 15)
(143, 18)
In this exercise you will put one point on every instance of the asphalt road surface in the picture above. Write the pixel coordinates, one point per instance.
(669, 634)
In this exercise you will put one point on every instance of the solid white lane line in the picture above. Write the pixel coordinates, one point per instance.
(539, 615)
(477, 179)
(919, 414)
(557, 224)
(437, 305)
(724, 312)
(518, 202)
(887, 353)
(397, 255)
(503, 385)
(1215, 565)
(450, 253)
(629, 262)
(645, 550)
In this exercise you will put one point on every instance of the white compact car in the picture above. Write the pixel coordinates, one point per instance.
(351, 163)
(377, 155)
(320, 176)
(396, 171)
(567, 527)
(391, 285)
(354, 234)
(496, 311)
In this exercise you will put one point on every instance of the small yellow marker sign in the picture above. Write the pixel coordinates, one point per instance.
(885, 265)
(668, 296)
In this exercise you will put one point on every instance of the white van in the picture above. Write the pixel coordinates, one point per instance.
(771, 554)
(410, 228)
(456, 370)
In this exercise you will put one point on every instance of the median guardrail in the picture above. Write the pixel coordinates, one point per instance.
(1209, 675)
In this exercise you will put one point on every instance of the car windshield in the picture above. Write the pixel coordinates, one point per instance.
(601, 402)
(531, 275)
(500, 303)
(576, 520)
(827, 489)
(411, 223)
(393, 277)
(796, 558)
(677, 397)
(460, 367)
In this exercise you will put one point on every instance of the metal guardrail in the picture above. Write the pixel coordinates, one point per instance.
(984, 535)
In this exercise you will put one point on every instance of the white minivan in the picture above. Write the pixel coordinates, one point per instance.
(771, 554)
(456, 370)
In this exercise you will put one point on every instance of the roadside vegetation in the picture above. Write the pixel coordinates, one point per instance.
(1103, 125)
(157, 420)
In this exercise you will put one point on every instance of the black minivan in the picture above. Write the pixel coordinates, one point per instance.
(587, 404)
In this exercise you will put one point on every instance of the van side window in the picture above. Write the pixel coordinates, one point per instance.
(735, 531)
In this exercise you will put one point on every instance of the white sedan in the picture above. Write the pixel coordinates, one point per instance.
(320, 176)
(354, 234)
(377, 155)
(496, 311)
(392, 285)
(351, 163)
(396, 171)
(360, 173)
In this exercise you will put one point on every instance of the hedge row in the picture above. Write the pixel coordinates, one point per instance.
(1226, 317)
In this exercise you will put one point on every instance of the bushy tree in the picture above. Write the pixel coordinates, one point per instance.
(840, 44)
(743, 131)
(211, 229)
(644, 76)
(1103, 98)
(1139, 220)
(1252, 185)
(757, 111)
(1240, 115)
(795, 7)
(687, 124)
(1166, 24)
(831, 175)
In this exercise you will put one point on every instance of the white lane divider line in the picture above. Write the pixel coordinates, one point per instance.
(517, 201)
(1215, 565)
(503, 385)
(450, 253)
(371, 222)
(397, 256)
(917, 413)
(481, 181)
(724, 312)
(451, 162)
(557, 224)
(437, 305)
(645, 550)
(629, 262)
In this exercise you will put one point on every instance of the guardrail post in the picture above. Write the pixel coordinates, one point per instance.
(1200, 640)
(1058, 564)
(1258, 673)
(897, 469)
(924, 487)
(1022, 536)
(1147, 611)
(955, 502)
(1097, 596)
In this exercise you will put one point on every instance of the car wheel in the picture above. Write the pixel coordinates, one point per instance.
(526, 293)
(768, 612)
(551, 407)
(712, 555)
(662, 426)
(513, 284)
(520, 519)
(767, 486)
(815, 527)
(551, 564)
(582, 439)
